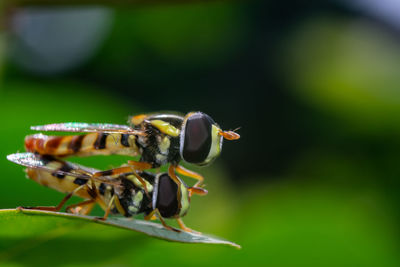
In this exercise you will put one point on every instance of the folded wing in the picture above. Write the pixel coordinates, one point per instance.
(82, 127)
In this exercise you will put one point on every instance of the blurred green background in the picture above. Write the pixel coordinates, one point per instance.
(314, 85)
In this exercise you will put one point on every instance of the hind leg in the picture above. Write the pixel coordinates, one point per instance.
(60, 205)
(82, 208)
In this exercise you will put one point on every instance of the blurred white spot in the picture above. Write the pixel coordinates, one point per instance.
(55, 40)
(386, 10)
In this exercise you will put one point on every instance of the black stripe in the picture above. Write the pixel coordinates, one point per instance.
(92, 193)
(46, 159)
(60, 173)
(124, 140)
(80, 181)
(102, 189)
(148, 176)
(76, 143)
(106, 173)
(101, 141)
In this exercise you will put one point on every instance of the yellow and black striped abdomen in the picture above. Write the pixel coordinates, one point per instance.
(65, 178)
(61, 183)
(82, 145)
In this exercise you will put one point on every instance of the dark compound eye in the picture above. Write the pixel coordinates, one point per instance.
(167, 202)
(198, 138)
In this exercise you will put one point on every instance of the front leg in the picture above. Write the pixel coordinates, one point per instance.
(183, 171)
(157, 213)
(132, 168)
(185, 228)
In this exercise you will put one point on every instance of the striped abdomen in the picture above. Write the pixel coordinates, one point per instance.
(130, 198)
(82, 145)
(62, 182)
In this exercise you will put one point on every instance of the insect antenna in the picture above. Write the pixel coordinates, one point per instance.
(230, 135)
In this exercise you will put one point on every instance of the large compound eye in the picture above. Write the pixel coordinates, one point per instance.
(197, 138)
(167, 196)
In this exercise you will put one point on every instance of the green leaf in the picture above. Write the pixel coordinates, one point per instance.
(40, 226)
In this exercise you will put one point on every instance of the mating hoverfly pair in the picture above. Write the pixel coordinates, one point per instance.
(159, 139)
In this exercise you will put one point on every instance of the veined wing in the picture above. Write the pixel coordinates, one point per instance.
(82, 127)
(50, 164)
(56, 167)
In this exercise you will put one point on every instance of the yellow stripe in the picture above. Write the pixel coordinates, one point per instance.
(64, 185)
(215, 149)
(88, 142)
(118, 206)
(63, 145)
(113, 141)
(184, 200)
(166, 128)
(137, 183)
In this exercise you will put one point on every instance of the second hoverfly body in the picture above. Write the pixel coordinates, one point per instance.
(124, 194)
(159, 139)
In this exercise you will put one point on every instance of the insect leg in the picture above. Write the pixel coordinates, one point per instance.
(184, 228)
(78, 207)
(138, 119)
(172, 174)
(61, 204)
(143, 184)
(140, 166)
(133, 167)
(112, 172)
(157, 212)
(108, 210)
(181, 170)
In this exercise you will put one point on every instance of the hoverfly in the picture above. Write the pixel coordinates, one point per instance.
(123, 194)
(159, 139)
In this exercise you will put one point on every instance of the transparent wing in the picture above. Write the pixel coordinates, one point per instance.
(82, 127)
(56, 166)
(50, 164)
